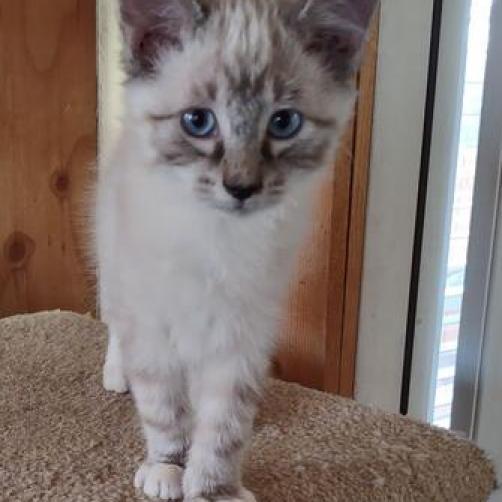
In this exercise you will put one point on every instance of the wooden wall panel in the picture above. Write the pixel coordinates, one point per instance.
(47, 143)
(302, 353)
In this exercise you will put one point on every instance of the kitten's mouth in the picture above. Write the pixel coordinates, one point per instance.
(240, 208)
(243, 208)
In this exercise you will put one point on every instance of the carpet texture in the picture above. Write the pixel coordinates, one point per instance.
(62, 438)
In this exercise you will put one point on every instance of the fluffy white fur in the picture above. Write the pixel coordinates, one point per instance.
(191, 292)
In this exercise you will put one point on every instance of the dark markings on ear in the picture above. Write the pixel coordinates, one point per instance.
(151, 26)
(203, 9)
(333, 30)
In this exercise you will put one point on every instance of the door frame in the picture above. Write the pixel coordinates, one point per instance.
(401, 90)
(444, 130)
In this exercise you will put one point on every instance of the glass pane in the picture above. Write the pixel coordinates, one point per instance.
(461, 211)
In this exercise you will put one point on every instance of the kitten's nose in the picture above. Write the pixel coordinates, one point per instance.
(242, 192)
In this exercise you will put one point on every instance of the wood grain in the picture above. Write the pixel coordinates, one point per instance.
(302, 351)
(314, 322)
(47, 143)
(337, 254)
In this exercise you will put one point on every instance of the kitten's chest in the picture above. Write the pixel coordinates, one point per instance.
(203, 267)
(207, 297)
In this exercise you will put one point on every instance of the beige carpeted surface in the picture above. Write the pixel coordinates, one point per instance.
(62, 438)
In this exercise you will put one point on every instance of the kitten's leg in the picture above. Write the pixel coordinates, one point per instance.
(161, 403)
(114, 379)
(225, 407)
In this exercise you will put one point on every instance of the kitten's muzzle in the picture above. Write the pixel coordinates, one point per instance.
(243, 192)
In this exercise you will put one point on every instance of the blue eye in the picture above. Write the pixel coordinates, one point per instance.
(199, 122)
(285, 124)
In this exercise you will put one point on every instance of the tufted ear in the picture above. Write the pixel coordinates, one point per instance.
(334, 29)
(153, 25)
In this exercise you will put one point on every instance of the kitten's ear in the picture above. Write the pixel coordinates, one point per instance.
(336, 30)
(150, 26)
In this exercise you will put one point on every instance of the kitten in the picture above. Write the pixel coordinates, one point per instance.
(234, 111)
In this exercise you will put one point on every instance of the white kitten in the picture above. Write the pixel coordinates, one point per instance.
(234, 107)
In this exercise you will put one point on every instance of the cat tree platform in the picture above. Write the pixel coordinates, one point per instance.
(62, 438)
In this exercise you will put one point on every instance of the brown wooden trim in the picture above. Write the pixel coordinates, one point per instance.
(360, 180)
(340, 217)
(302, 351)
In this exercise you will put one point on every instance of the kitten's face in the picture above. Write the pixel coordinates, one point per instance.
(241, 111)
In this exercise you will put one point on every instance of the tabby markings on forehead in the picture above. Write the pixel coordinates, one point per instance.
(242, 84)
(211, 90)
(284, 90)
(245, 114)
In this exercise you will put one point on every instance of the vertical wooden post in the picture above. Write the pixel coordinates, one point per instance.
(359, 191)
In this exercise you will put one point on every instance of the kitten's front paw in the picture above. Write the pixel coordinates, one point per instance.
(160, 480)
(244, 496)
(114, 379)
